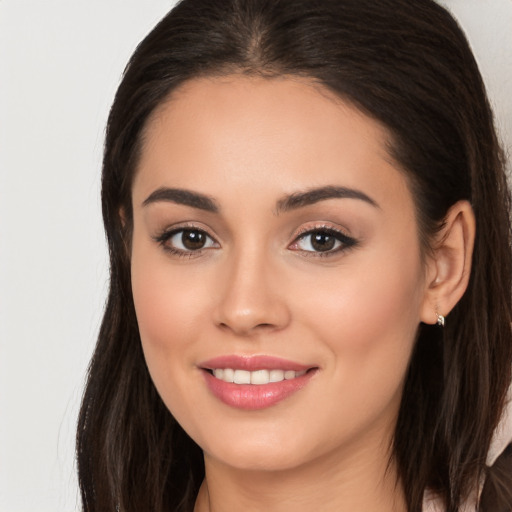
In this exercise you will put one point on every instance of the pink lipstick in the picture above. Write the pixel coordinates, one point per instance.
(255, 382)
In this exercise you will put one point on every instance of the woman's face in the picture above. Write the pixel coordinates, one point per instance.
(274, 242)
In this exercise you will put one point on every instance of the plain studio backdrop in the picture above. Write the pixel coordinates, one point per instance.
(60, 63)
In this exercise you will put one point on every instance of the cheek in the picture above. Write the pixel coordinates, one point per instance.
(168, 309)
(155, 307)
(382, 307)
(368, 317)
(372, 296)
(168, 299)
(171, 308)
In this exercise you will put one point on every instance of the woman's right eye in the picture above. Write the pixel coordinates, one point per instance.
(186, 241)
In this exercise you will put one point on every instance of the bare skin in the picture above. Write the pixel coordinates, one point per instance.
(225, 262)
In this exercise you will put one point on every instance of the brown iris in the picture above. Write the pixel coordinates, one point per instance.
(193, 240)
(322, 241)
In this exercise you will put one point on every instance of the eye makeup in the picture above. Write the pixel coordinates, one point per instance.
(322, 241)
(185, 241)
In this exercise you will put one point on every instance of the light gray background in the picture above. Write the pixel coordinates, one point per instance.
(60, 63)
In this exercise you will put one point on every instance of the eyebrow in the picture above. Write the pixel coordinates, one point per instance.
(287, 203)
(181, 196)
(315, 195)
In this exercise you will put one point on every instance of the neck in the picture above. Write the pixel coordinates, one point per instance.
(357, 482)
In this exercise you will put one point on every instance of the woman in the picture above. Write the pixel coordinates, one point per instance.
(310, 302)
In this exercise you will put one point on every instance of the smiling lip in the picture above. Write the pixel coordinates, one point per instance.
(254, 396)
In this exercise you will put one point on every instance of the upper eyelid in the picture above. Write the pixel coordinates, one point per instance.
(164, 236)
(340, 236)
(164, 240)
(320, 227)
(347, 241)
(176, 228)
(169, 231)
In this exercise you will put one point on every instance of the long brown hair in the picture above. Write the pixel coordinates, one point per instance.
(406, 64)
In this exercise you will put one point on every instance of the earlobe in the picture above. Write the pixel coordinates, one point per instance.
(449, 266)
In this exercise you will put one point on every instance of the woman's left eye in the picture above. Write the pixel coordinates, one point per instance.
(186, 240)
(326, 241)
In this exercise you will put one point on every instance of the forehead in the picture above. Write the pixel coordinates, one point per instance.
(254, 133)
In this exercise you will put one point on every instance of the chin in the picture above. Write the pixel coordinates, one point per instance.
(263, 452)
(266, 460)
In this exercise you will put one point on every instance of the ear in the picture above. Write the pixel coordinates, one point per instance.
(449, 265)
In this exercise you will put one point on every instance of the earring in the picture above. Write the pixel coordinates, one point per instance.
(440, 320)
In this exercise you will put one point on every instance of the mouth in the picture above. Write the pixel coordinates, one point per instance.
(257, 382)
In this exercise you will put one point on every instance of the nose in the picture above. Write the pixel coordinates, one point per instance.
(252, 298)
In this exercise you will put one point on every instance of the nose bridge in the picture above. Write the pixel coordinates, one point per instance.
(249, 297)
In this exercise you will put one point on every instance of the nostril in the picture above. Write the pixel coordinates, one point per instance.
(241, 327)
(246, 316)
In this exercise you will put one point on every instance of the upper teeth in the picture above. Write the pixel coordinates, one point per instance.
(256, 377)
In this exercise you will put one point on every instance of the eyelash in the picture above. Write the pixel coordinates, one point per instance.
(164, 238)
(345, 242)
